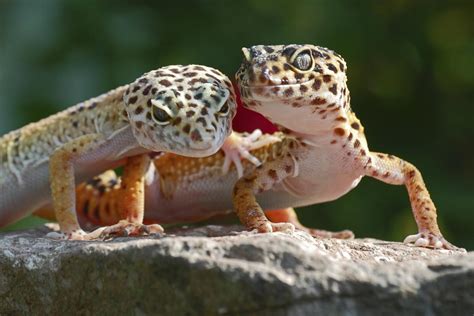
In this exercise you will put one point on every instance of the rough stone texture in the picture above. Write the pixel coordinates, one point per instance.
(230, 273)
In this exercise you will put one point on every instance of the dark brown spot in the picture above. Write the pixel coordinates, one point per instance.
(187, 128)
(190, 113)
(288, 92)
(196, 135)
(190, 74)
(204, 111)
(341, 66)
(132, 100)
(339, 131)
(285, 80)
(333, 89)
(176, 121)
(355, 126)
(273, 174)
(187, 96)
(333, 141)
(139, 124)
(332, 68)
(362, 152)
(138, 110)
(356, 143)
(165, 82)
(303, 88)
(202, 120)
(275, 69)
(316, 85)
(318, 101)
(199, 68)
(327, 78)
(340, 119)
(299, 76)
(198, 96)
(288, 169)
(286, 66)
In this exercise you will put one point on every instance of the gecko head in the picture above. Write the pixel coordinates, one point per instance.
(282, 81)
(186, 110)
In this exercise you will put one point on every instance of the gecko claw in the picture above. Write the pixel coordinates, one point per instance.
(237, 147)
(269, 227)
(126, 229)
(430, 240)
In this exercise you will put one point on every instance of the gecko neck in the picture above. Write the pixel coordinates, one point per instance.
(307, 121)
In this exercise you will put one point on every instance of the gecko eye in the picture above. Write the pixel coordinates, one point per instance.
(303, 60)
(161, 116)
(224, 110)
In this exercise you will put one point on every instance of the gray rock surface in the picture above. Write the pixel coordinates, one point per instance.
(219, 270)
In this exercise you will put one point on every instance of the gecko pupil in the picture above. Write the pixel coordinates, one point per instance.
(224, 110)
(160, 115)
(303, 61)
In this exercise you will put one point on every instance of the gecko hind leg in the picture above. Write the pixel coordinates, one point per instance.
(132, 206)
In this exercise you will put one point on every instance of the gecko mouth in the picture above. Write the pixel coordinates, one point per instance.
(246, 85)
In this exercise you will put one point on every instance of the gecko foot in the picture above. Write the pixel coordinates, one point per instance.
(430, 240)
(269, 227)
(238, 146)
(125, 228)
(76, 235)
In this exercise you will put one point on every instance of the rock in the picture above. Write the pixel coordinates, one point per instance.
(223, 270)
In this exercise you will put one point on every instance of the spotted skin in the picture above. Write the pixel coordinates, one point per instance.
(322, 154)
(303, 89)
(185, 189)
(181, 109)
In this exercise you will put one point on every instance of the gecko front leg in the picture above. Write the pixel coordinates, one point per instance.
(393, 170)
(62, 180)
(261, 179)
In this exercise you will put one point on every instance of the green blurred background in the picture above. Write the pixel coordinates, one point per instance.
(411, 75)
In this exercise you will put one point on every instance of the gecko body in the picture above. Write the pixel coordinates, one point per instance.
(181, 109)
(322, 154)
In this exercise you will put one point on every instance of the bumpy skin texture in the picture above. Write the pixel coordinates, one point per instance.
(303, 89)
(181, 109)
(322, 154)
